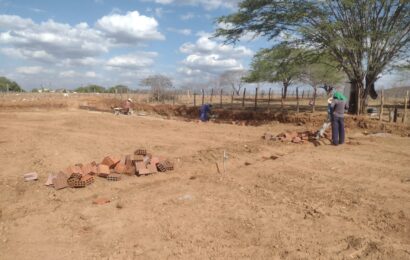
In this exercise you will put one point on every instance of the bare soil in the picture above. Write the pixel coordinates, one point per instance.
(312, 202)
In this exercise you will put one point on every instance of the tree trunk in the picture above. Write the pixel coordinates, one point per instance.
(355, 86)
(285, 89)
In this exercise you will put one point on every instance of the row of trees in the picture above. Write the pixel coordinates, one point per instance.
(8, 85)
(362, 37)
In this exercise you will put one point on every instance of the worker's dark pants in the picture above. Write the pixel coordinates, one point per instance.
(338, 130)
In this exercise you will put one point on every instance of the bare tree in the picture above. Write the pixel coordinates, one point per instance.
(159, 85)
(233, 79)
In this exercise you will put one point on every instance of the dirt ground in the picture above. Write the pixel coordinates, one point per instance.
(324, 202)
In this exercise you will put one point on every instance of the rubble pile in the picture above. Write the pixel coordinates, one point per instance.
(292, 136)
(111, 168)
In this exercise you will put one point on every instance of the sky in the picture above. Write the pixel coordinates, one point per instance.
(66, 44)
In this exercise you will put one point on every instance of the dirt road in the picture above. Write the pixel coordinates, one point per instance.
(311, 202)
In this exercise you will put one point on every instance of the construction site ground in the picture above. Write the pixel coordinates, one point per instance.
(274, 201)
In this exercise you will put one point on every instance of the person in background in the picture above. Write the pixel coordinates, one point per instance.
(204, 111)
(126, 106)
(338, 107)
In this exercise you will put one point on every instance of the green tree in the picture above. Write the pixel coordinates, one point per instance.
(34, 90)
(90, 89)
(363, 36)
(279, 64)
(319, 71)
(118, 89)
(8, 85)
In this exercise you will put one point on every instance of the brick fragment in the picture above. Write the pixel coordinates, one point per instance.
(101, 201)
(72, 170)
(155, 160)
(138, 158)
(103, 170)
(87, 169)
(120, 168)
(88, 179)
(296, 140)
(76, 183)
(144, 172)
(60, 181)
(130, 170)
(50, 179)
(128, 161)
(111, 161)
(152, 168)
(161, 167)
(32, 176)
(140, 152)
(113, 177)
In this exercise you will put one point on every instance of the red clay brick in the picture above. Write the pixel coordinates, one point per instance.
(60, 181)
(144, 172)
(138, 158)
(72, 170)
(87, 169)
(113, 177)
(88, 179)
(152, 168)
(120, 168)
(128, 161)
(111, 161)
(140, 165)
(161, 167)
(103, 170)
(155, 160)
(140, 152)
(130, 170)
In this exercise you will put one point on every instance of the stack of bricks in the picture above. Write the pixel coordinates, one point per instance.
(291, 136)
(110, 168)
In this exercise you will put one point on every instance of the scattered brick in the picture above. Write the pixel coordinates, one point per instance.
(130, 170)
(103, 170)
(72, 170)
(111, 161)
(50, 179)
(146, 159)
(128, 161)
(113, 177)
(76, 183)
(120, 168)
(101, 201)
(60, 181)
(144, 172)
(140, 152)
(138, 158)
(31, 176)
(87, 169)
(140, 165)
(161, 167)
(168, 165)
(155, 160)
(152, 168)
(88, 179)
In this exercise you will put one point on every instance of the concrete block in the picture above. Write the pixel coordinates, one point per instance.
(88, 179)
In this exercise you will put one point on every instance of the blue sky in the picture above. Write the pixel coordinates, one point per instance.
(71, 43)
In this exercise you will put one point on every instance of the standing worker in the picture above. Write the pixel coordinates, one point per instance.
(338, 107)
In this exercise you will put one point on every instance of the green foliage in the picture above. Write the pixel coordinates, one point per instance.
(362, 36)
(90, 89)
(118, 89)
(11, 85)
(34, 90)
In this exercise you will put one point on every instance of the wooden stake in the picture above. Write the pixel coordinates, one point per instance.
(220, 99)
(381, 105)
(194, 99)
(233, 93)
(297, 99)
(256, 98)
(269, 98)
(281, 99)
(243, 98)
(212, 94)
(203, 96)
(406, 99)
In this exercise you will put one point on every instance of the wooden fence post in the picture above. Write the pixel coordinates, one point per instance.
(194, 99)
(243, 98)
(212, 94)
(233, 93)
(406, 99)
(303, 94)
(297, 99)
(203, 96)
(220, 99)
(256, 98)
(269, 98)
(281, 99)
(381, 106)
(395, 115)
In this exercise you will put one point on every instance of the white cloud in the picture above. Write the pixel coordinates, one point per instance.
(135, 61)
(129, 28)
(30, 70)
(208, 57)
(180, 31)
(187, 16)
(10, 22)
(207, 4)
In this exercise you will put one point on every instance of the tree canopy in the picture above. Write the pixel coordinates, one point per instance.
(364, 36)
(8, 85)
(118, 89)
(279, 64)
(90, 89)
(159, 84)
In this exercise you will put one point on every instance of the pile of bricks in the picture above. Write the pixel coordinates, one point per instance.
(291, 136)
(111, 168)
